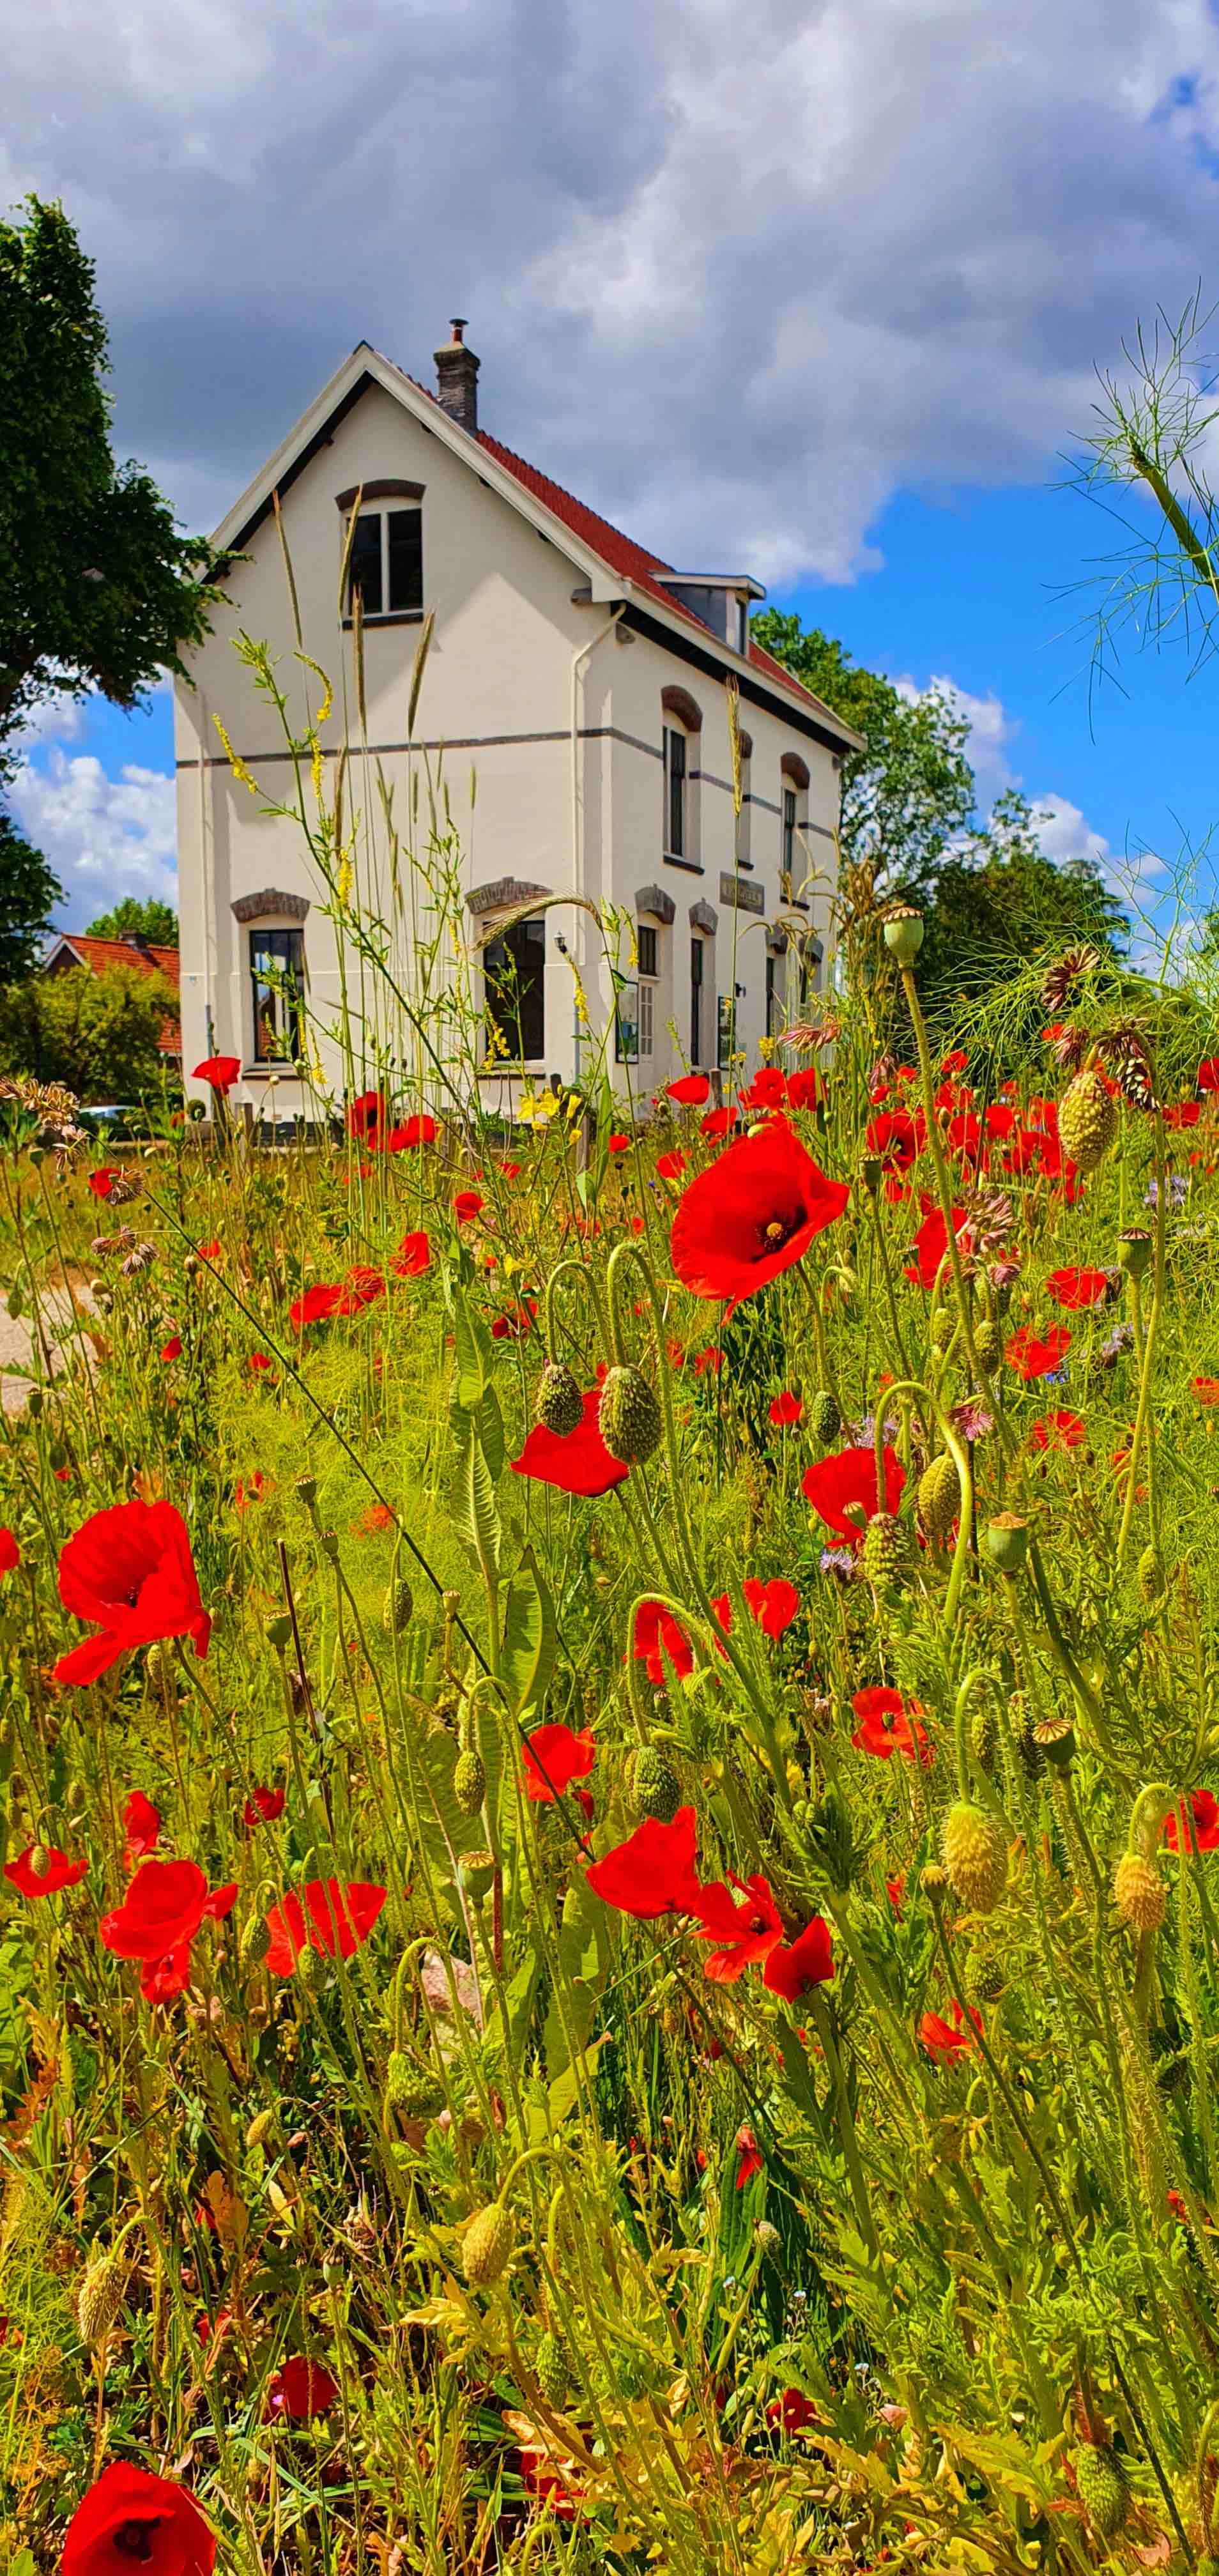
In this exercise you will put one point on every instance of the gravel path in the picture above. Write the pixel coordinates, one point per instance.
(17, 1343)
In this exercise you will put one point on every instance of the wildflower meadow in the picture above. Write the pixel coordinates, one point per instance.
(609, 1952)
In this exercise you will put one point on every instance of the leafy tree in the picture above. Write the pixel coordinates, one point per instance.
(152, 919)
(29, 891)
(998, 904)
(98, 1034)
(97, 588)
(908, 797)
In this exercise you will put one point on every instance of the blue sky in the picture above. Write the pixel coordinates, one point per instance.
(831, 305)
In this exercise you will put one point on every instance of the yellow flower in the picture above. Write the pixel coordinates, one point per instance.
(346, 877)
(235, 761)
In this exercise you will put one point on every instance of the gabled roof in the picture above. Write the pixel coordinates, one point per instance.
(613, 563)
(101, 956)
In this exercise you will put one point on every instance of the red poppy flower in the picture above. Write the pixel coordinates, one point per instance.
(792, 2411)
(895, 1139)
(743, 1931)
(366, 1116)
(220, 1071)
(466, 1206)
(657, 1629)
(172, 1349)
(315, 1306)
(954, 1063)
(142, 1827)
(750, 2161)
(946, 2041)
(264, 1807)
(847, 1480)
(768, 1089)
(301, 2388)
(162, 1910)
(334, 1919)
(248, 1491)
(652, 1872)
(414, 1256)
(805, 1088)
(102, 1181)
(669, 1167)
(774, 1604)
(574, 1462)
(786, 1409)
(1205, 1812)
(711, 1358)
(719, 1122)
(513, 1327)
(1208, 1073)
(554, 1756)
(211, 1251)
(415, 1131)
(895, 1890)
(619, 1144)
(752, 1214)
(690, 1091)
(10, 1553)
(1076, 1288)
(258, 1364)
(1183, 1113)
(1206, 1389)
(60, 1872)
(131, 2518)
(129, 1571)
(793, 1968)
(1032, 1355)
(1060, 1430)
(886, 1727)
(930, 1245)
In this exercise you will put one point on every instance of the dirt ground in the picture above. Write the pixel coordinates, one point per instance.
(17, 1344)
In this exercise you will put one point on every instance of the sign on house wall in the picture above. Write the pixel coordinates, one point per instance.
(738, 892)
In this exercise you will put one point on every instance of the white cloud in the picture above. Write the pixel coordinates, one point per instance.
(1063, 829)
(59, 718)
(736, 278)
(992, 729)
(104, 837)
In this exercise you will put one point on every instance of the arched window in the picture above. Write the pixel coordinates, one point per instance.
(384, 548)
(794, 786)
(682, 726)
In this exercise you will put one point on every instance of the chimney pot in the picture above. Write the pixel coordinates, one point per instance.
(457, 378)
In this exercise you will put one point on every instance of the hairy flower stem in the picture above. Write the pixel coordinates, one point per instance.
(1144, 1429)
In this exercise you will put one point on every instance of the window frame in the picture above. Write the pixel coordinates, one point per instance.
(531, 933)
(725, 1030)
(261, 934)
(676, 845)
(698, 984)
(383, 511)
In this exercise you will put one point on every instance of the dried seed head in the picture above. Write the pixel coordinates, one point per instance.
(1139, 1893)
(99, 2297)
(975, 1856)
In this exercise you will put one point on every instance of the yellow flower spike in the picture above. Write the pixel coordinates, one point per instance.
(235, 761)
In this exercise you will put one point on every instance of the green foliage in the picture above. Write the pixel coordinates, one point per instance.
(909, 795)
(97, 589)
(151, 919)
(99, 1035)
(29, 892)
(998, 904)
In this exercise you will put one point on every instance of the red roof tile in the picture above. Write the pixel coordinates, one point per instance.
(102, 955)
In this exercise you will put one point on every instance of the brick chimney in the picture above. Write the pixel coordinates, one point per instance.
(457, 379)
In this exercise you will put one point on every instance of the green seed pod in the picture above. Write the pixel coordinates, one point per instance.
(254, 1942)
(469, 1782)
(33, 1402)
(560, 1404)
(1007, 1542)
(309, 1970)
(1087, 1121)
(903, 933)
(975, 1856)
(99, 2297)
(984, 1734)
(655, 1787)
(630, 1416)
(550, 2368)
(306, 1487)
(398, 1607)
(1103, 2491)
(1134, 1251)
(278, 1630)
(887, 1554)
(939, 1498)
(824, 1417)
(328, 1541)
(1152, 1580)
(486, 2247)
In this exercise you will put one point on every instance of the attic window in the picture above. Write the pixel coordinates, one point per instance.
(386, 563)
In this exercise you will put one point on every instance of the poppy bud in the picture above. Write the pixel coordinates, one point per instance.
(939, 1498)
(824, 1417)
(469, 1782)
(767, 2238)
(1151, 1576)
(630, 1416)
(934, 1881)
(903, 933)
(550, 2369)
(985, 1981)
(1007, 1542)
(411, 2090)
(486, 2247)
(975, 1856)
(1134, 1251)
(1139, 1893)
(988, 1343)
(398, 1606)
(33, 1403)
(278, 1630)
(254, 1943)
(1087, 1121)
(943, 1326)
(99, 2297)
(655, 1787)
(258, 2129)
(832, 1841)
(40, 1858)
(560, 1404)
(1103, 2491)
(191, 1266)
(77, 1798)
(887, 1556)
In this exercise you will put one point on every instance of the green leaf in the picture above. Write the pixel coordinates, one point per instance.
(474, 1354)
(472, 1496)
(565, 2091)
(529, 1639)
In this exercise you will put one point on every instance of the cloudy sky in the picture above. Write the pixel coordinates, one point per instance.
(817, 285)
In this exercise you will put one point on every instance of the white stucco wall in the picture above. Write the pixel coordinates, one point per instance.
(492, 759)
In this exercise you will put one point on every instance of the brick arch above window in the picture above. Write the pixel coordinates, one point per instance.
(703, 918)
(678, 702)
(388, 489)
(503, 893)
(653, 899)
(794, 768)
(270, 904)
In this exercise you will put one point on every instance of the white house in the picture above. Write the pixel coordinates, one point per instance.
(586, 685)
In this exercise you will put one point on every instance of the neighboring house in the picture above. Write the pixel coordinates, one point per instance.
(581, 678)
(68, 953)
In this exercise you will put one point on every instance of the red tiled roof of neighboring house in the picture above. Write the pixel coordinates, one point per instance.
(101, 956)
(620, 552)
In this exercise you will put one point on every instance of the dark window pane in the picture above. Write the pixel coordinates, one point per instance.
(696, 1001)
(406, 559)
(676, 763)
(277, 976)
(789, 829)
(364, 570)
(514, 970)
(647, 950)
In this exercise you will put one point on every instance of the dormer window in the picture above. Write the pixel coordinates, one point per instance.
(385, 562)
